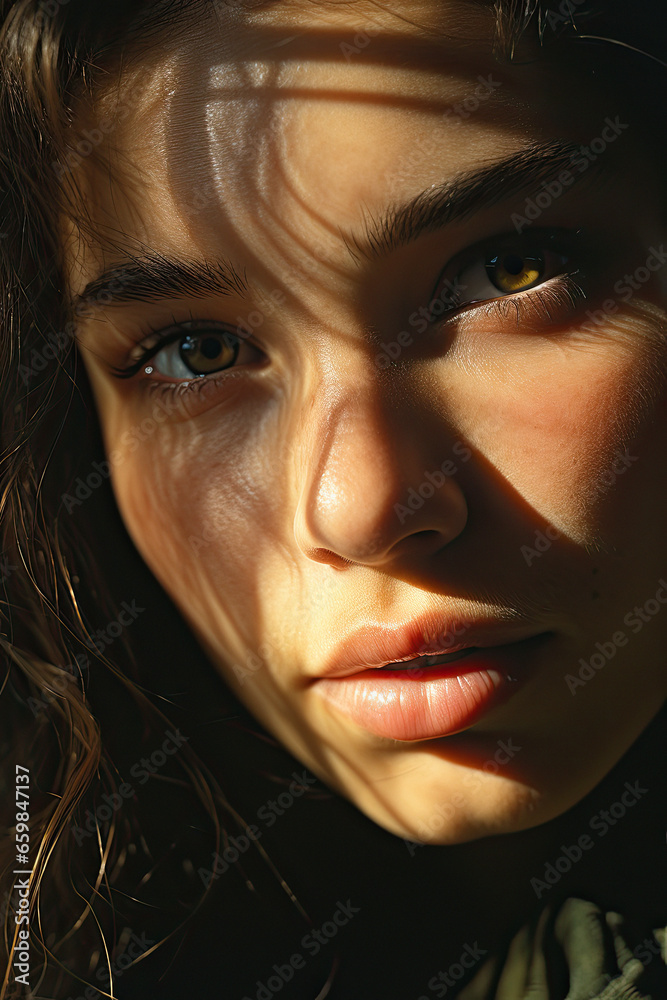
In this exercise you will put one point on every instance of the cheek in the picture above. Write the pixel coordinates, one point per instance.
(555, 418)
(202, 501)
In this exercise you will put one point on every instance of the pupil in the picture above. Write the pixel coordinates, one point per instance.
(205, 352)
(514, 271)
(513, 264)
(210, 348)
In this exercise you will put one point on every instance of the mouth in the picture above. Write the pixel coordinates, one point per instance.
(431, 695)
(425, 661)
(420, 644)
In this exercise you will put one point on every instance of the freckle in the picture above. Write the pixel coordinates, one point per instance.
(595, 595)
(595, 569)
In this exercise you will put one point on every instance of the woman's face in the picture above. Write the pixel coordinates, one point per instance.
(392, 315)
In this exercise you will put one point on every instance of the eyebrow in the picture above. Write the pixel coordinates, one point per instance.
(153, 277)
(460, 197)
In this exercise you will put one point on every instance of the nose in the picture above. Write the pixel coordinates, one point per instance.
(378, 483)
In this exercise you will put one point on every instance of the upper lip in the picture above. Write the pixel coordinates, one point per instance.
(377, 645)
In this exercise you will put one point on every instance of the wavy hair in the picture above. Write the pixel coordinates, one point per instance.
(61, 691)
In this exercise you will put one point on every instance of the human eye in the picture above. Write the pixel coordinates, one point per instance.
(189, 352)
(536, 275)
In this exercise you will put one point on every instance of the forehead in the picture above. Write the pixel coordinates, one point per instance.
(276, 129)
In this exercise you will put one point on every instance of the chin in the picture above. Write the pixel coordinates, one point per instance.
(454, 818)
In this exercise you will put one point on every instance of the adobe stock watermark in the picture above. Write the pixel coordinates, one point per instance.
(129, 442)
(359, 43)
(56, 343)
(436, 645)
(429, 145)
(601, 823)
(626, 287)
(469, 105)
(580, 160)
(6, 569)
(312, 943)
(163, 408)
(142, 771)
(416, 498)
(267, 814)
(254, 661)
(222, 5)
(71, 674)
(462, 109)
(625, 983)
(447, 299)
(55, 346)
(543, 540)
(634, 620)
(103, 637)
(445, 811)
(137, 945)
(47, 9)
(563, 15)
(84, 488)
(92, 138)
(443, 981)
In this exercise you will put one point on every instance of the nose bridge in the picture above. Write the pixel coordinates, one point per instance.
(353, 451)
(366, 445)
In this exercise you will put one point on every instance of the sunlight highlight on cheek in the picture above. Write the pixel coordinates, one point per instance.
(204, 502)
(554, 416)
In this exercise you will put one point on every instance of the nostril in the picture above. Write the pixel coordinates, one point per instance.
(426, 538)
(334, 560)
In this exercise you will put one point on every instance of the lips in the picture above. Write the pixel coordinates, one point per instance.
(426, 662)
(373, 647)
(383, 682)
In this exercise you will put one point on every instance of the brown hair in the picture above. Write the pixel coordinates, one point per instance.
(58, 684)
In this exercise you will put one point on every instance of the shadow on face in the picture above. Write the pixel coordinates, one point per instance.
(310, 453)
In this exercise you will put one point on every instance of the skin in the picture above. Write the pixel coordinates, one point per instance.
(264, 501)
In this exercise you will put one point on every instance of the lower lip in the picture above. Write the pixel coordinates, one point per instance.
(425, 703)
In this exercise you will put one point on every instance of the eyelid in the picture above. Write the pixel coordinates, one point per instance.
(544, 238)
(567, 241)
(163, 337)
(149, 346)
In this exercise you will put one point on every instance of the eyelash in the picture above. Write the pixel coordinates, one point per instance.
(558, 292)
(171, 335)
